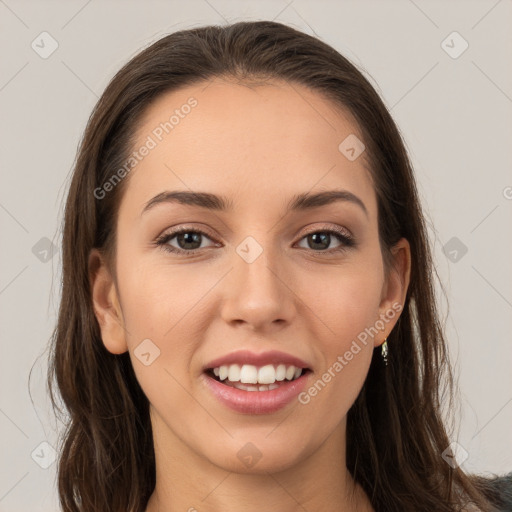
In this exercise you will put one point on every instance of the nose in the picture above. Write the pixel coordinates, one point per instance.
(259, 293)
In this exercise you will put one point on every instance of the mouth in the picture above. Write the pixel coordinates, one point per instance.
(256, 378)
(265, 393)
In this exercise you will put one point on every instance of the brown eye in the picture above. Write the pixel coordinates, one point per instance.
(188, 240)
(319, 241)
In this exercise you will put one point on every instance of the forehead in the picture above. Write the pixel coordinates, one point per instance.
(252, 142)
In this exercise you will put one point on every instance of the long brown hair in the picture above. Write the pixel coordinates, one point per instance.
(395, 430)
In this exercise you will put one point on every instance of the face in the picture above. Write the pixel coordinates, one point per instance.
(259, 275)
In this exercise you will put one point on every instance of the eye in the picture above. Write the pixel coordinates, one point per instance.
(320, 240)
(189, 240)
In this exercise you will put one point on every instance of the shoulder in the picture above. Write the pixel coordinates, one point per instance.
(498, 490)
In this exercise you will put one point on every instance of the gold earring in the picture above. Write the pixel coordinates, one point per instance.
(385, 351)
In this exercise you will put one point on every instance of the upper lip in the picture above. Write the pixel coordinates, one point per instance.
(246, 357)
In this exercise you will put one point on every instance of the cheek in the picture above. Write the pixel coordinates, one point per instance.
(347, 310)
(159, 309)
(346, 299)
(159, 300)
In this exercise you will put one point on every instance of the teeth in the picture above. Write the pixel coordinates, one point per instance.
(290, 372)
(223, 372)
(267, 374)
(245, 387)
(281, 372)
(234, 373)
(250, 374)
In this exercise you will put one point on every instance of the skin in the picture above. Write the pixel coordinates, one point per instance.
(258, 146)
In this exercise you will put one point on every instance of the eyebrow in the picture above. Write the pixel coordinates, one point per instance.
(299, 202)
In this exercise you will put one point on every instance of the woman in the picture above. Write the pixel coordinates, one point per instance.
(248, 318)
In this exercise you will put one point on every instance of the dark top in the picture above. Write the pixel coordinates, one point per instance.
(500, 493)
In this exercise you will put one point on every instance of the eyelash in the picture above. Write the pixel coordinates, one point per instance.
(162, 242)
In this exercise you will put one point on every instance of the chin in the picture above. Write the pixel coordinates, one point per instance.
(259, 454)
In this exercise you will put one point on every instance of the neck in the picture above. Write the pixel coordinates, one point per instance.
(187, 481)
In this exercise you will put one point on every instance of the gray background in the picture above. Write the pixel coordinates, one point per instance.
(454, 113)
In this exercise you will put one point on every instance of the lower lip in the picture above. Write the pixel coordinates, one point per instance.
(256, 402)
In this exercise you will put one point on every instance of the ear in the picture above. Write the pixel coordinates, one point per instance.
(395, 288)
(106, 304)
